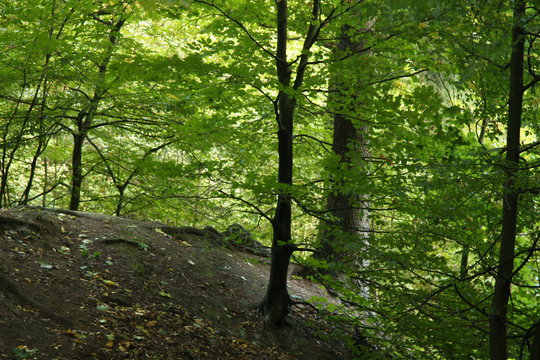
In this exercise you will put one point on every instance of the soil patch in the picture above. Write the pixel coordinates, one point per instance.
(77, 285)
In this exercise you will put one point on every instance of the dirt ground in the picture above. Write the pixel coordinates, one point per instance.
(77, 285)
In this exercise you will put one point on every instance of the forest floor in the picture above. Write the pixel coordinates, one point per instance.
(77, 285)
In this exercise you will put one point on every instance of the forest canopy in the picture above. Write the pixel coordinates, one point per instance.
(390, 148)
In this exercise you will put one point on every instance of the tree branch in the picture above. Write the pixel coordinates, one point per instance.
(237, 22)
(257, 209)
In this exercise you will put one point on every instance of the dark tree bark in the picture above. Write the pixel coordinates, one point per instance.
(45, 182)
(42, 145)
(535, 347)
(86, 117)
(275, 305)
(501, 295)
(77, 173)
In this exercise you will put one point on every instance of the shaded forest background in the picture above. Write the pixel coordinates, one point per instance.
(390, 148)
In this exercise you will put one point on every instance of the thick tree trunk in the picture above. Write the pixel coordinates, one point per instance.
(345, 217)
(350, 221)
(349, 211)
(501, 295)
(120, 202)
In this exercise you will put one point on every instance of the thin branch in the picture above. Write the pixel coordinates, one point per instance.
(257, 209)
(531, 46)
(109, 170)
(528, 147)
(485, 58)
(311, 37)
(237, 22)
(531, 83)
(395, 78)
(322, 142)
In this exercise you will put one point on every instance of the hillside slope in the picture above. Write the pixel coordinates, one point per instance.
(77, 285)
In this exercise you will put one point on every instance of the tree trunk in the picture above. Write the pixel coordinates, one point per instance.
(86, 117)
(349, 211)
(535, 347)
(501, 295)
(350, 221)
(464, 267)
(76, 175)
(26, 193)
(45, 182)
(345, 218)
(120, 202)
(275, 305)
(42, 145)
(4, 165)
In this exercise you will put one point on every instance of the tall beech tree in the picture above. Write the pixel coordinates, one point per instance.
(275, 305)
(348, 223)
(513, 170)
(495, 50)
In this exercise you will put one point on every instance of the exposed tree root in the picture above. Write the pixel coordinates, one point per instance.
(13, 221)
(117, 240)
(68, 212)
(209, 231)
(8, 286)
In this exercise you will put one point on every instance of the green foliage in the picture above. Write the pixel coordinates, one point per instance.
(184, 132)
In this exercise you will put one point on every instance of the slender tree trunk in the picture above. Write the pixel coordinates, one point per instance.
(77, 173)
(535, 347)
(501, 295)
(464, 267)
(86, 117)
(8, 157)
(45, 182)
(120, 201)
(4, 164)
(275, 305)
(42, 145)
(26, 192)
